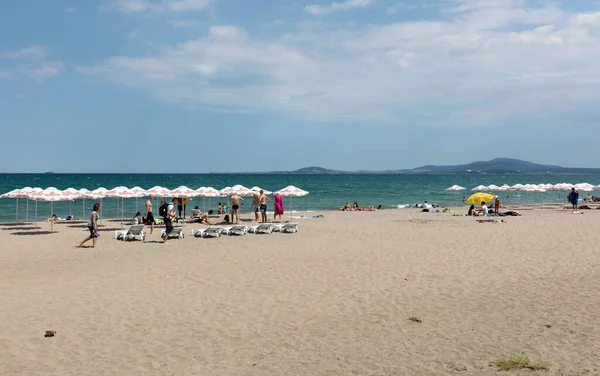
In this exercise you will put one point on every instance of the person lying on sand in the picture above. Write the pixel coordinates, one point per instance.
(345, 207)
(203, 219)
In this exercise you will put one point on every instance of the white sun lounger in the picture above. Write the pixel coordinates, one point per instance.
(238, 230)
(177, 233)
(265, 228)
(135, 232)
(289, 228)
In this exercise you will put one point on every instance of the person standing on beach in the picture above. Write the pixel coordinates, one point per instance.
(168, 219)
(149, 216)
(574, 198)
(256, 205)
(278, 207)
(263, 206)
(235, 208)
(93, 226)
(496, 205)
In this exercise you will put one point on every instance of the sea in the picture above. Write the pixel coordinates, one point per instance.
(326, 192)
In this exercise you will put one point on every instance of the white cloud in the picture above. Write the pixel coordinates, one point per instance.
(485, 64)
(184, 23)
(32, 62)
(336, 7)
(45, 70)
(29, 53)
(137, 6)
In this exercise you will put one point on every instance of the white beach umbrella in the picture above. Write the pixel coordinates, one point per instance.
(24, 194)
(506, 187)
(75, 194)
(480, 188)
(456, 188)
(210, 192)
(16, 194)
(225, 191)
(493, 187)
(240, 190)
(51, 194)
(30, 193)
(291, 191)
(137, 192)
(258, 189)
(184, 192)
(158, 191)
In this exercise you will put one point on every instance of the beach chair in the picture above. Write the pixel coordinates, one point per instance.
(213, 232)
(177, 233)
(196, 213)
(135, 232)
(289, 228)
(265, 228)
(238, 230)
(197, 232)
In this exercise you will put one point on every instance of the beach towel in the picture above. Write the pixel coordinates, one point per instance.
(278, 205)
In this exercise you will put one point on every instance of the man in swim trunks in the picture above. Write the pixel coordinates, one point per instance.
(256, 205)
(235, 208)
(149, 217)
(263, 205)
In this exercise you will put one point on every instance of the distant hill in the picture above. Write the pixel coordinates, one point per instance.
(495, 165)
(498, 165)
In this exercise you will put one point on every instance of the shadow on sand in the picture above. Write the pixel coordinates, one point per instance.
(33, 233)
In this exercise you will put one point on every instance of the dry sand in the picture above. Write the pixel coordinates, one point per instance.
(332, 299)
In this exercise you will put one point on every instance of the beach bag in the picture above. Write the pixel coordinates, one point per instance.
(162, 210)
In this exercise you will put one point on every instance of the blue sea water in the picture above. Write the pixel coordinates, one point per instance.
(327, 192)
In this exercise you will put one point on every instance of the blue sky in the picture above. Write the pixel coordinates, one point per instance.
(223, 85)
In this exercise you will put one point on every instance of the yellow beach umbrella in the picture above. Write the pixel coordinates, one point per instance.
(477, 198)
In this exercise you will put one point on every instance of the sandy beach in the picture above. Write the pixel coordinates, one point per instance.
(332, 299)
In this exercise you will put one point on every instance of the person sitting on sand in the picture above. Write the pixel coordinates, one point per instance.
(54, 218)
(137, 219)
(345, 208)
(355, 206)
(484, 209)
(380, 207)
(472, 211)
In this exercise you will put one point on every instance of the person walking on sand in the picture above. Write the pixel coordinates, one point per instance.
(574, 199)
(93, 227)
(496, 205)
(168, 219)
(256, 205)
(278, 210)
(149, 216)
(235, 208)
(263, 206)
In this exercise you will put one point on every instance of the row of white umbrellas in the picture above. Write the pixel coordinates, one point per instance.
(585, 187)
(52, 194)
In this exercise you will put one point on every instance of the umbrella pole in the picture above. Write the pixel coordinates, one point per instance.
(17, 215)
(27, 210)
(100, 219)
(122, 200)
(70, 207)
(35, 214)
(51, 210)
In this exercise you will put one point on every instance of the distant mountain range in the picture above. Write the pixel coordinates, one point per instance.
(498, 165)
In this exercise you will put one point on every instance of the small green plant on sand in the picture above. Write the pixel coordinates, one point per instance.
(520, 362)
(415, 318)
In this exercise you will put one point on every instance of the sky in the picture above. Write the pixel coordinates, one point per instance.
(231, 85)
